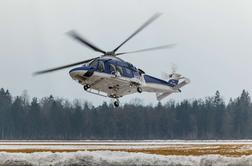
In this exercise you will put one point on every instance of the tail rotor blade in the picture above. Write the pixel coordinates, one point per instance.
(165, 76)
(174, 68)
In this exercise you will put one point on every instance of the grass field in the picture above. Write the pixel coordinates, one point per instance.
(184, 148)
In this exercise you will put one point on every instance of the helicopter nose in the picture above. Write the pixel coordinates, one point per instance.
(76, 72)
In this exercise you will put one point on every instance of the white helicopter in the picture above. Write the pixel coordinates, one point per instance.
(110, 76)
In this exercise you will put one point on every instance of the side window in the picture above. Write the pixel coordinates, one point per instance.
(119, 69)
(112, 69)
(101, 67)
(128, 72)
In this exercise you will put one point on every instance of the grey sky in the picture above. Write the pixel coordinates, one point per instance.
(213, 43)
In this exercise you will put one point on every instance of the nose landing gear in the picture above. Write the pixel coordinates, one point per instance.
(116, 103)
(86, 87)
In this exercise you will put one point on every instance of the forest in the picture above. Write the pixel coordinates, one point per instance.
(57, 118)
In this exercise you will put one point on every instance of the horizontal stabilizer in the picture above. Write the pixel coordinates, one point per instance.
(161, 96)
(183, 83)
(176, 88)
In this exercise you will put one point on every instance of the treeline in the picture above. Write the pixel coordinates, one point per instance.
(53, 118)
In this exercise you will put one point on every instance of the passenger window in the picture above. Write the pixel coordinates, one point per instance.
(112, 69)
(101, 66)
(128, 72)
(119, 69)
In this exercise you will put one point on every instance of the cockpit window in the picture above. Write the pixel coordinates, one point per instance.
(101, 66)
(93, 64)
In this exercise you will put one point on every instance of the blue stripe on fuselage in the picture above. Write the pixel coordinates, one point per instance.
(150, 79)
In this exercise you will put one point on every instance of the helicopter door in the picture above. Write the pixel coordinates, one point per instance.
(119, 70)
(112, 69)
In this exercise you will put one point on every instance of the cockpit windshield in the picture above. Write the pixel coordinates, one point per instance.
(94, 63)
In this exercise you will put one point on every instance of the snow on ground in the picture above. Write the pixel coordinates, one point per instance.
(94, 157)
(108, 158)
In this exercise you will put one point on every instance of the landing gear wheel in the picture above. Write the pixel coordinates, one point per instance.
(116, 103)
(86, 87)
(139, 90)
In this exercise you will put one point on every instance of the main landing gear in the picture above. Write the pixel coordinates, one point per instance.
(116, 103)
(139, 90)
(86, 87)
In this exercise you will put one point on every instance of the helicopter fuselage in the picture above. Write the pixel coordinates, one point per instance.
(114, 77)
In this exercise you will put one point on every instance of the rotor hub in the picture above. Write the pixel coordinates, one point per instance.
(110, 53)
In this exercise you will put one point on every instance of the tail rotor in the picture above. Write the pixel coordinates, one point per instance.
(174, 77)
(173, 74)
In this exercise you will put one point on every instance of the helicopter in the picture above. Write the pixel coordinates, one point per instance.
(110, 76)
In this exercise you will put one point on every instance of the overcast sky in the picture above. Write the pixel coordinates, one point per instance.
(213, 40)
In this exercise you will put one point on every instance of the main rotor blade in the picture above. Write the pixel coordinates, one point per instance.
(150, 20)
(85, 42)
(147, 49)
(62, 67)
